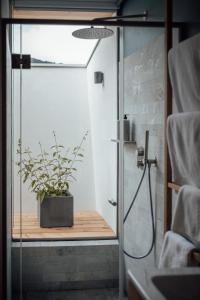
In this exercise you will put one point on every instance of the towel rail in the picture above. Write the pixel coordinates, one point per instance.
(169, 186)
(174, 186)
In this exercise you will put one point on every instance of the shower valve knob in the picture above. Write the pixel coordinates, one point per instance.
(140, 157)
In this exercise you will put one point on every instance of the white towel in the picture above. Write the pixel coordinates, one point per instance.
(183, 133)
(186, 219)
(176, 251)
(184, 68)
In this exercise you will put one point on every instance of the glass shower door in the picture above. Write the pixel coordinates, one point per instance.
(143, 105)
(49, 112)
(79, 120)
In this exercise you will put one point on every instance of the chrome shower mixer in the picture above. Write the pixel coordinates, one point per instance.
(142, 154)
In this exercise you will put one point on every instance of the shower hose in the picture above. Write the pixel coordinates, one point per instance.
(147, 164)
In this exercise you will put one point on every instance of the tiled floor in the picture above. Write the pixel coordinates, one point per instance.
(89, 294)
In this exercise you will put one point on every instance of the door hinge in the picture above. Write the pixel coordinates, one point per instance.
(19, 61)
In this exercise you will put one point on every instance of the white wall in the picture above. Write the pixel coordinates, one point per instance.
(55, 99)
(103, 111)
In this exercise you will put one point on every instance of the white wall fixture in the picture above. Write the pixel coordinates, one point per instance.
(98, 77)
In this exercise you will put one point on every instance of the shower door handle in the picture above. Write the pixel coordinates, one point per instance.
(113, 203)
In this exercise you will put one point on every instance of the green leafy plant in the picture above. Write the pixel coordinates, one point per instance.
(50, 173)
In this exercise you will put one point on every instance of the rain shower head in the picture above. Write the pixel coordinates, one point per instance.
(103, 32)
(93, 33)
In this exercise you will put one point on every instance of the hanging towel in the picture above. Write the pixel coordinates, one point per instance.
(186, 219)
(176, 251)
(184, 69)
(183, 134)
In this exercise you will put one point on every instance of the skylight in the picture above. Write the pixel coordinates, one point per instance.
(53, 44)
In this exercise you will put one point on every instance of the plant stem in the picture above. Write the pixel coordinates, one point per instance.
(76, 153)
(44, 159)
(35, 174)
(57, 152)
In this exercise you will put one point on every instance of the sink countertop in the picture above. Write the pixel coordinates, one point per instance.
(148, 290)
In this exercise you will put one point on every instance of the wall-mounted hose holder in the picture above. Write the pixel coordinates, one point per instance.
(112, 202)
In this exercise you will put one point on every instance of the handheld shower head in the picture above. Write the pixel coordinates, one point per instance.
(146, 147)
(146, 154)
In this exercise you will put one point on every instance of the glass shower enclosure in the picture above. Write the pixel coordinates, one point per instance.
(60, 119)
(138, 67)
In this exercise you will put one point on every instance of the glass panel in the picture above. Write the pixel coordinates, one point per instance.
(17, 100)
(143, 97)
(55, 45)
(66, 123)
(8, 176)
(66, 133)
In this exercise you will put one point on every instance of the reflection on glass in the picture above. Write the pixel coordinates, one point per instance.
(54, 44)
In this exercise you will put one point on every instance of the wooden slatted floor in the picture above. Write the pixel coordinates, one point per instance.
(86, 225)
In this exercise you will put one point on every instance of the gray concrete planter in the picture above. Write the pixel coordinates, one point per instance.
(57, 211)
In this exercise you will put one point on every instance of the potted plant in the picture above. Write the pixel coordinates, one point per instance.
(50, 174)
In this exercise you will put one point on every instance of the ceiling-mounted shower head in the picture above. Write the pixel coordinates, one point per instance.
(93, 33)
(103, 32)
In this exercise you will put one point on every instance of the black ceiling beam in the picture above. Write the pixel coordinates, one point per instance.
(88, 22)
